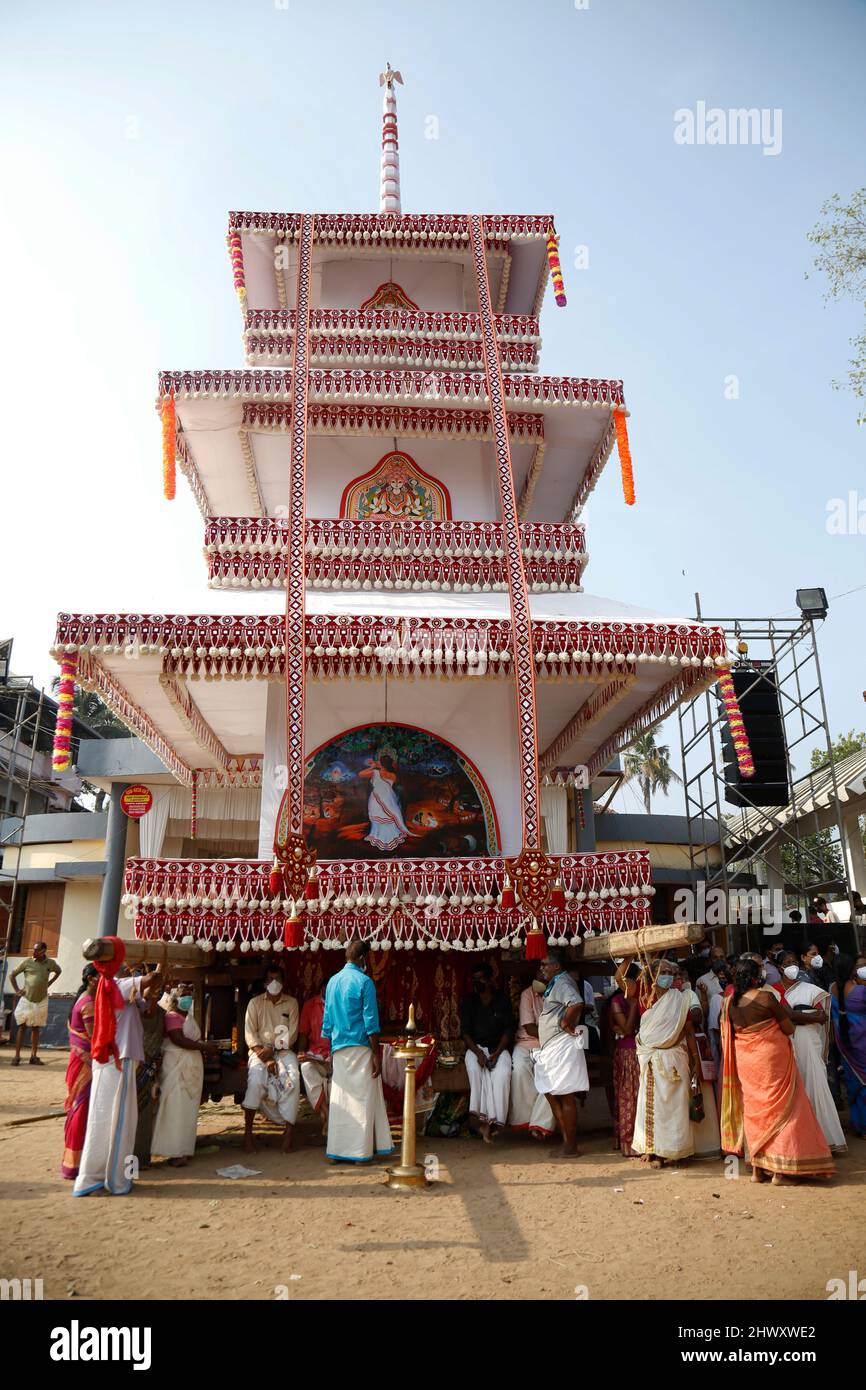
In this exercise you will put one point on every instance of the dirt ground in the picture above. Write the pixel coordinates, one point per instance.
(508, 1222)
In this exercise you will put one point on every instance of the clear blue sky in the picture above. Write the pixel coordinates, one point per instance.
(129, 130)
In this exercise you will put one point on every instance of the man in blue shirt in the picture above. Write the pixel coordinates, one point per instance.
(357, 1119)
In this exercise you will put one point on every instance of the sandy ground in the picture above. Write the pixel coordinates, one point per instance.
(508, 1222)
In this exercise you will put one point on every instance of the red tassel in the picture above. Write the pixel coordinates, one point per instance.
(536, 946)
(311, 891)
(275, 880)
(506, 898)
(293, 933)
(557, 895)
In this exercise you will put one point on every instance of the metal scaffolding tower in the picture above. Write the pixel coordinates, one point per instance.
(768, 860)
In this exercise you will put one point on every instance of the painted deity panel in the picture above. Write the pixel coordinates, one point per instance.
(393, 791)
(396, 490)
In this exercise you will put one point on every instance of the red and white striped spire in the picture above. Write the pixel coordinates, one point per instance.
(389, 181)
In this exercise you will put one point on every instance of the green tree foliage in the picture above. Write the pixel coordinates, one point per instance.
(648, 763)
(840, 243)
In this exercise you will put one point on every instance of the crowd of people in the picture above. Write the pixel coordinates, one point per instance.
(714, 1053)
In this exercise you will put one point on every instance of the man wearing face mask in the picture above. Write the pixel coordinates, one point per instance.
(771, 963)
(560, 1068)
(273, 1078)
(528, 1108)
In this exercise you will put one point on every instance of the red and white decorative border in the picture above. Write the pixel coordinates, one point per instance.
(446, 324)
(424, 422)
(273, 349)
(295, 626)
(521, 619)
(427, 231)
(392, 384)
(403, 903)
(463, 556)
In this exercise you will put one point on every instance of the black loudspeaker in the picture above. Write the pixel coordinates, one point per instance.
(758, 697)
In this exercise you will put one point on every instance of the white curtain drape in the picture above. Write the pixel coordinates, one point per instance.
(273, 767)
(554, 811)
(152, 825)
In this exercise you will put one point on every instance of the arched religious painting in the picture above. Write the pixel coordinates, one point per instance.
(396, 490)
(388, 296)
(387, 791)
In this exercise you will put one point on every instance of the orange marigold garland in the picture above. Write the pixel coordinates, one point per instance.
(169, 447)
(556, 269)
(236, 251)
(624, 456)
(62, 752)
(734, 716)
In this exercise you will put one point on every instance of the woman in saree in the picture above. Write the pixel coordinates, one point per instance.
(764, 1101)
(811, 1045)
(624, 1021)
(181, 1080)
(388, 829)
(848, 1005)
(669, 1072)
(79, 1073)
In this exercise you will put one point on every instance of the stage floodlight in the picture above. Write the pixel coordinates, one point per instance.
(812, 603)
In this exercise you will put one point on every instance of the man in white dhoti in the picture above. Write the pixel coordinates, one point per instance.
(108, 1157)
(273, 1081)
(31, 1011)
(560, 1064)
(669, 1072)
(528, 1108)
(314, 1056)
(487, 1025)
(357, 1119)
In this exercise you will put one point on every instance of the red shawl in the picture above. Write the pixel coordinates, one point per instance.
(108, 999)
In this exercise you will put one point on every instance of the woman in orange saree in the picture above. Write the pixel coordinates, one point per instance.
(763, 1096)
(78, 1073)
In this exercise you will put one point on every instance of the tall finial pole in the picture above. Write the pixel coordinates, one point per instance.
(389, 182)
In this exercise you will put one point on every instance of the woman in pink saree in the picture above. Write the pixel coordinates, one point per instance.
(78, 1073)
(764, 1101)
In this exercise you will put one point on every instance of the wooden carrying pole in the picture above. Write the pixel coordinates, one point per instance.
(644, 941)
(148, 952)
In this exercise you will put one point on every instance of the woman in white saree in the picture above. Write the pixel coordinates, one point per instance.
(669, 1068)
(388, 830)
(811, 1045)
(180, 1082)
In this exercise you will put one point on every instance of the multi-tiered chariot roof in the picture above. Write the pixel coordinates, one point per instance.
(393, 351)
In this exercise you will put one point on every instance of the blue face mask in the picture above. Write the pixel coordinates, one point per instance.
(664, 981)
(185, 1002)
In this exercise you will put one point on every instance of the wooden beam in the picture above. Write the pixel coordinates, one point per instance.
(646, 941)
(165, 953)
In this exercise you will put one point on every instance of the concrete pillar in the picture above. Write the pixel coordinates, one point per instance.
(115, 856)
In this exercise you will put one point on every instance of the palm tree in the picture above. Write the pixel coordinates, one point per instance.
(649, 762)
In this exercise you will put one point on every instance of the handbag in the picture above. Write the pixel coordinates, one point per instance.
(696, 1106)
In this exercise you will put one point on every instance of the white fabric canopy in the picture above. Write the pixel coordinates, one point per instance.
(554, 811)
(152, 825)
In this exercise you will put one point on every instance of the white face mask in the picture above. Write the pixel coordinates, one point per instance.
(861, 972)
(817, 962)
(791, 972)
(274, 987)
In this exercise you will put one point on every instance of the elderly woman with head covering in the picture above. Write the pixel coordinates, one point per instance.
(181, 1080)
(669, 1072)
